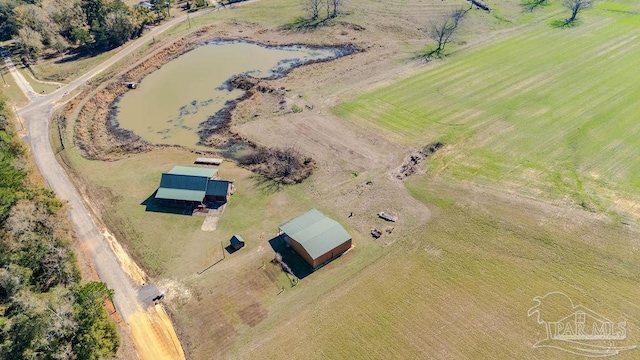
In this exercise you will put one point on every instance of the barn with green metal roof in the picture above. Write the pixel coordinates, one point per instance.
(316, 238)
(191, 186)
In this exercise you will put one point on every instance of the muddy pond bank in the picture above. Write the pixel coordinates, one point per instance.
(190, 97)
(100, 136)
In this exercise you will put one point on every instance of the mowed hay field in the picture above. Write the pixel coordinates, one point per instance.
(548, 111)
(460, 286)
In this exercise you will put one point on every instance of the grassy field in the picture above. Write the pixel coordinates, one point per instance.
(40, 87)
(172, 244)
(548, 112)
(236, 294)
(12, 91)
(552, 110)
(65, 71)
(400, 19)
(461, 286)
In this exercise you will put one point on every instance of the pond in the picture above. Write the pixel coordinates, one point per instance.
(169, 104)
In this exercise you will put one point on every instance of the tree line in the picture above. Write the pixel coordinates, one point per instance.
(443, 28)
(314, 8)
(45, 312)
(87, 25)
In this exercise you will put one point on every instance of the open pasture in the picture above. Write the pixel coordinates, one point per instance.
(460, 286)
(551, 110)
(531, 108)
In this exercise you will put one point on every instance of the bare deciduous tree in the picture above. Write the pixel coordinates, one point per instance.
(313, 8)
(442, 30)
(530, 5)
(335, 6)
(575, 6)
(29, 42)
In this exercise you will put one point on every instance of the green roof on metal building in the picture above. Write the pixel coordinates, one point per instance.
(193, 171)
(188, 184)
(217, 188)
(316, 233)
(184, 182)
(180, 194)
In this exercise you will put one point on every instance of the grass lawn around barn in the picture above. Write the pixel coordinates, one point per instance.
(173, 244)
(540, 126)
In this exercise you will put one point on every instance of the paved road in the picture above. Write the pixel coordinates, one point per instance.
(21, 81)
(36, 117)
(130, 298)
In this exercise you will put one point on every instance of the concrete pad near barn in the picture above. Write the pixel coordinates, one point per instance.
(212, 216)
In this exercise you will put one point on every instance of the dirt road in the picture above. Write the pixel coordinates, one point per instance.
(152, 331)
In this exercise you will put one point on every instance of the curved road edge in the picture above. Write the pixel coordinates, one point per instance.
(153, 333)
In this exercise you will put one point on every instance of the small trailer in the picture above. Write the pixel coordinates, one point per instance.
(388, 216)
(208, 161)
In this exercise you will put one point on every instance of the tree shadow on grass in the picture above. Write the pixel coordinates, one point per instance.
(303, 24)
(266, 185)
(427, 55)
(152, 205)
(532, 5)
(564, 24)
(298, 266)
(77, 54)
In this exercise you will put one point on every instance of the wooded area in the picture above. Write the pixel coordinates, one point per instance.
(45, 312)
(56, 26)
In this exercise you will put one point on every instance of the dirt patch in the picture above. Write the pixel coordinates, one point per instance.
(129, 266)
(412, 163)
(216, 131)
(174, 290)
(153, 328)
(352, 26)
(253, 314)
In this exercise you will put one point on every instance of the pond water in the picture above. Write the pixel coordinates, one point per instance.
(170, 103)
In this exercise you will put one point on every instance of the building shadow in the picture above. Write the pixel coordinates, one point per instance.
(230, 249)
(215, 205)
(298, 266)
(153, 205)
